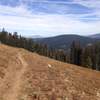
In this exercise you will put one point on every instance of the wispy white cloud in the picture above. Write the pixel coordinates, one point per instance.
(92, 4)
(30, 21)
(20, 10)
(88, 3)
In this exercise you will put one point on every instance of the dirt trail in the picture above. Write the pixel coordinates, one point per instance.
(16, 86)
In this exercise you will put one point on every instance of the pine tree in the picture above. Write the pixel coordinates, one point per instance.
(75, 53)
(88, 62)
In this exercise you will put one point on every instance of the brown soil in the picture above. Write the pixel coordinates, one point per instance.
(28, 76)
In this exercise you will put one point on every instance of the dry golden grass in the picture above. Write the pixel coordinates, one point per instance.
(28, 76)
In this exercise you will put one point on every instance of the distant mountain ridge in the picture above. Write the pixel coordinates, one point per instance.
(65, 41)
(36, 36)
(96, 36)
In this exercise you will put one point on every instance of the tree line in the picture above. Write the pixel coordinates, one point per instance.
(28, 43)
(88, 56)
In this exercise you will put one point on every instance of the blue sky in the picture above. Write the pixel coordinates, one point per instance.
(50, 17)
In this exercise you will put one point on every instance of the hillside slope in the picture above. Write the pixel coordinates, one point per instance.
(28, 76)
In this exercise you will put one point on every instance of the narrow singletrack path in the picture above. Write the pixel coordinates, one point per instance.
(17, 79)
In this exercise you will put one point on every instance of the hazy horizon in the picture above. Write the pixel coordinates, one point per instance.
(50, 17)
